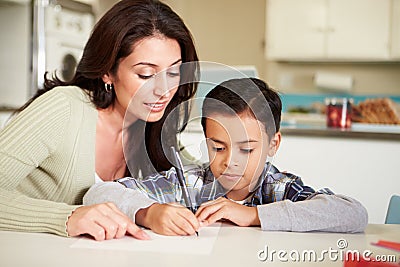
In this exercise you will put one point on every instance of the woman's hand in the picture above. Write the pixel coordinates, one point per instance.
(102, 221)
(168, 219)
(223, 208)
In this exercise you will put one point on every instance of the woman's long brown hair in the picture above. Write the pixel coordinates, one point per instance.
(112, 39)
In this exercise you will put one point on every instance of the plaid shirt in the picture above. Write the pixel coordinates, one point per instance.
(272, 186)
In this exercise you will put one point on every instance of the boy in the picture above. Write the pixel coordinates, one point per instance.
(240, 119)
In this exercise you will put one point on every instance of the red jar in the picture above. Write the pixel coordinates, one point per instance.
(338, 112)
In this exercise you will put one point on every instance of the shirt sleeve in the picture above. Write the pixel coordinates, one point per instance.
(128, 200)
(297, 191)
(131, 194)
(322, 212)
(162, 187)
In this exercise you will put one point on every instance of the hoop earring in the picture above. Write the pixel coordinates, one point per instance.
(108, 87)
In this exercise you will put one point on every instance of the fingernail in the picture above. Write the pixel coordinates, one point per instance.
(143, 235)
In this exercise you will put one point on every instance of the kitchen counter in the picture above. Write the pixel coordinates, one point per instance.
(358, 130)
(315, 125)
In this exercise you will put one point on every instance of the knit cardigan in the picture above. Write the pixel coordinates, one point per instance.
(47, 161)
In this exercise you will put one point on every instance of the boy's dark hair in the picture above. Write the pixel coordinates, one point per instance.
(252, 95)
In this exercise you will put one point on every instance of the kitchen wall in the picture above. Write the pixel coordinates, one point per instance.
(224, 31)
(229, 32)
(369, 78)
(99, 6)
(233, 32)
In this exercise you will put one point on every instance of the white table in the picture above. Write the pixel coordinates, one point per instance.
(235, 246)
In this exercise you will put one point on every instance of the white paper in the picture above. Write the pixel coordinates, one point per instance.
(202, 244)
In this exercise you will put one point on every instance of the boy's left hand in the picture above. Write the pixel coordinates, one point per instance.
(223, 208)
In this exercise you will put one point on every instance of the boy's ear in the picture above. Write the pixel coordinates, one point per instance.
(274, 144)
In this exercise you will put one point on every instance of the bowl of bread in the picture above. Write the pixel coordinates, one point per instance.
(376, 111)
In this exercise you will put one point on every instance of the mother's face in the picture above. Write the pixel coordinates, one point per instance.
(147, 79)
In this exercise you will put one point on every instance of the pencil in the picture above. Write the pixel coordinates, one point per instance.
(179, 171)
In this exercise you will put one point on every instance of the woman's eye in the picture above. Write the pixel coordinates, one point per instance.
(173, 74)
(145, 77)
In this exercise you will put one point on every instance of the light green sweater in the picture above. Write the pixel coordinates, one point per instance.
(47, 161)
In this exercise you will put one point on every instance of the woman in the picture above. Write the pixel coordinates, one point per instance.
(70, 131)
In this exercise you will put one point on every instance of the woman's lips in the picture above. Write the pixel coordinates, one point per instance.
(156, 107)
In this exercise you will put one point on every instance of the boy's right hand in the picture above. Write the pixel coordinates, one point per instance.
(168, 219)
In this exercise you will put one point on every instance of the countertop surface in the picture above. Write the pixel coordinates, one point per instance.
(230, 246)
(312, 126)
(315, 126)
(357, 130)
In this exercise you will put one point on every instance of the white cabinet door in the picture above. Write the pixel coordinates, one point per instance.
(295, 29)
(338, 30)
(365, 169)
(358, 29)
(395, 28)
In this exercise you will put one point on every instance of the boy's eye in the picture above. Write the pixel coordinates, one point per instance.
(218, 149)
(247, 150)
(145, 77)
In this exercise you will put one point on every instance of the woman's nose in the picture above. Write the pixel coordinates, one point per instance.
(161, 85)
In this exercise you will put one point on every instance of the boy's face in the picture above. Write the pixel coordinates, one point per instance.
(238, 149)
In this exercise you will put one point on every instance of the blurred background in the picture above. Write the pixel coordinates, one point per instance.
(312, 47)
(309, 50)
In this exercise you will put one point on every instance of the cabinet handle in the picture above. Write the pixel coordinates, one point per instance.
(324, 29)
(330, 29)
(319, 29)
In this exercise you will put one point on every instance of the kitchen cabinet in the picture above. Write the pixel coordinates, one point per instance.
(365, 169)
(333, 30)
(395, 43)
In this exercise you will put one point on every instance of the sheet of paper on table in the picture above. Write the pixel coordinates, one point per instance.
(202, 244)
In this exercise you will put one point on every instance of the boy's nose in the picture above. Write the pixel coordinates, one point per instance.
(231, 161)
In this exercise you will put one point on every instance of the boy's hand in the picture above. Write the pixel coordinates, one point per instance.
(223, 208)
(168, 219)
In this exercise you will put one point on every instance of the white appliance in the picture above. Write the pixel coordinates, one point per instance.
(15, 52)
(62, 30)
(39, 36)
